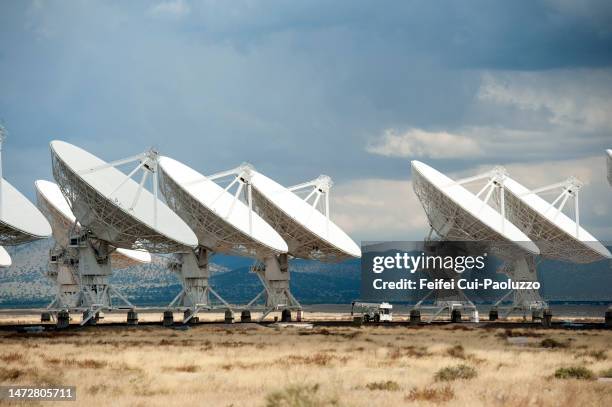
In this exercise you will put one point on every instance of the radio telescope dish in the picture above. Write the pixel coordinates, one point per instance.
(558, 236)
(222, 223)
(114, 206)
(20, 221)
(309, 233)
(609, 163)
(457, 214)
(64, 224)
(5, 258)
(114, 211)
(71, 247)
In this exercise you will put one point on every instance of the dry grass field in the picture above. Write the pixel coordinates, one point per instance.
(254, 365)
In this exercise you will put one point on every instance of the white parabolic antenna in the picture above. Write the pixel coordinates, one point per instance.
(20, 220)
(64, 224)
(221, 222)
(309, 233)
(114, 206)
(114, 211)
(457, 214)
(558, 236)
(5, 258)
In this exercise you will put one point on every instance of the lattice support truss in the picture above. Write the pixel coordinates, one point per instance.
(111, 221)
(453, 223)
(9, 236)
(302, 243)
(552, 241)
(318, 188)
(211, 228)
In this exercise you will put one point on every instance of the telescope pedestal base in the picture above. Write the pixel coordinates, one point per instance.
(94, 273)
(193, 271)
(452, 300)
(524, 301)
(455, 304)
(63, 270)
(275, 277)
(81, 273)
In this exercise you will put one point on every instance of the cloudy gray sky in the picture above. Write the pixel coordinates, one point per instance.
(351, 89)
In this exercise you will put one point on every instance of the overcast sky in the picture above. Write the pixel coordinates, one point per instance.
(350, 89)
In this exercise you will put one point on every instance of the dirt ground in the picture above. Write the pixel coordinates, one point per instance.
(255, 365)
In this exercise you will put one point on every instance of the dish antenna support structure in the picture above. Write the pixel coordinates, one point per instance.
(457, 215)
(273, 272)
(518, 266)
(74, 292)
(305, 224)
(114, 211)
(558, 236)
(94, 255)
(225, 221)
(181, 186)
(193, 267)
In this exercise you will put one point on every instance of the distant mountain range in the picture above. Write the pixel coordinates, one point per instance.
(24, 284)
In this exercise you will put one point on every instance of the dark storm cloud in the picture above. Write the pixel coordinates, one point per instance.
(297, 88)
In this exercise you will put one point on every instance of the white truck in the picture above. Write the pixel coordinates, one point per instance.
(373, 312)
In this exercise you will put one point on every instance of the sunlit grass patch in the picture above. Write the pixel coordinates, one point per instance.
(606, 373)
(460, 372)
(12, 357)
(388, 385)
(574, 372)
(300, 396)
(431, 394)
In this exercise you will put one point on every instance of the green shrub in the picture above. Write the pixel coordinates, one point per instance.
(574, 372)
(455, 373)
(299, 396)
(389, 385)
(595, 354)
(433, 395)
